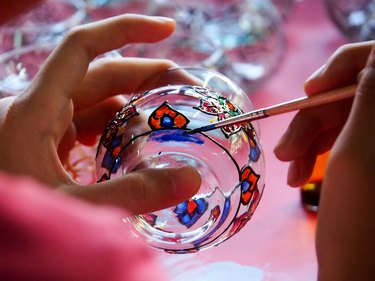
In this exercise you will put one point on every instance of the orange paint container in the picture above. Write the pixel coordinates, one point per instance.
(310, 192)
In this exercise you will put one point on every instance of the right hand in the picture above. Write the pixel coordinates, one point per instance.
(313, 131)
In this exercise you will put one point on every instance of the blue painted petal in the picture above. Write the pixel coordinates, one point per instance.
(245, 185)
(166, 121)
(254, 153)
(202, 205)
(175, 135)
(181, 208)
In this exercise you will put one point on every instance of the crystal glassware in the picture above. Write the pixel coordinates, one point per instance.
(150, 132)
(45, 23)
(19, 66)
(243, 40)
(101, 9)
(354, 18)
(285, 7)
(251, 36)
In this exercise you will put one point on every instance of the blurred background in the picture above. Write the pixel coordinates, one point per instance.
(269, 48)
(243, 39)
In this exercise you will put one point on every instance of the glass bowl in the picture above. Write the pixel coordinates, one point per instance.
(150, 131)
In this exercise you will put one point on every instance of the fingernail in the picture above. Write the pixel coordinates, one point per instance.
(162, 19)
(186, 182)
(360, 74)
(371, 59)
(317, 73)
(294, 174)
(281, 148)
(369, 69)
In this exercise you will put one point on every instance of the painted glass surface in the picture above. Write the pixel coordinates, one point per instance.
(150, 132)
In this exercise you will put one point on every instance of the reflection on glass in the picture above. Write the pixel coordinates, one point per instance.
(149, 132)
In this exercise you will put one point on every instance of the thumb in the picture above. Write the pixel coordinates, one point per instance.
(346, 206)
(362, 118)
(366, 78)
(144, 190)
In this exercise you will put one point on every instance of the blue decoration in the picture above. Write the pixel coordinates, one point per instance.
(189, 212)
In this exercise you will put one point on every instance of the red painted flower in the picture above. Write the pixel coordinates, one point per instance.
(165, 117)
(249, 180)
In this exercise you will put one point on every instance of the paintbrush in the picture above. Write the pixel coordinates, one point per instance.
(292, 105)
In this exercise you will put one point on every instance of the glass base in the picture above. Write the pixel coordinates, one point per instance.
(310, 195)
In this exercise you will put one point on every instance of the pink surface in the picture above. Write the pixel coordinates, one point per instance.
(47, 236)
(278, 243)
(89, 243)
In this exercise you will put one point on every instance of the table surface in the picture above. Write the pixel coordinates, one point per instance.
(278, 243)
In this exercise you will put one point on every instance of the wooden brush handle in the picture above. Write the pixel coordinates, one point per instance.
(315, 100)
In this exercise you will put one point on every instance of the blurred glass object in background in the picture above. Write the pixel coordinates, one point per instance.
(20, 65)
(284, 7)
(251, 37)
(354, 18)
(101, 9)
(47, 23)
(243, 40)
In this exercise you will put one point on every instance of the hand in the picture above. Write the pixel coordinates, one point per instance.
(72, 100)
(313, 131)
(346, 229)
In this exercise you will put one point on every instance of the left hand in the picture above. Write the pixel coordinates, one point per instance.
(314, 130)
(71, 100)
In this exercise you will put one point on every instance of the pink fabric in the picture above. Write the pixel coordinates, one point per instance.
(45, 235)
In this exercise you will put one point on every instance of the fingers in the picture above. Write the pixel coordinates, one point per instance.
(110, 77)
(341, 69)
(367, 80)
(312, 129)
(300, 170)
(302, 162)
(361, 123)
(143, 191)
(311, 133)
(92, 121)
(98, 97)
(346, 207)
(66, 68)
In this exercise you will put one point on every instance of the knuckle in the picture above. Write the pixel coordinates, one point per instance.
(136, 192)
(73, 34)
(77, 35)
(342, 54)
(344, 49)
(169, 63)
